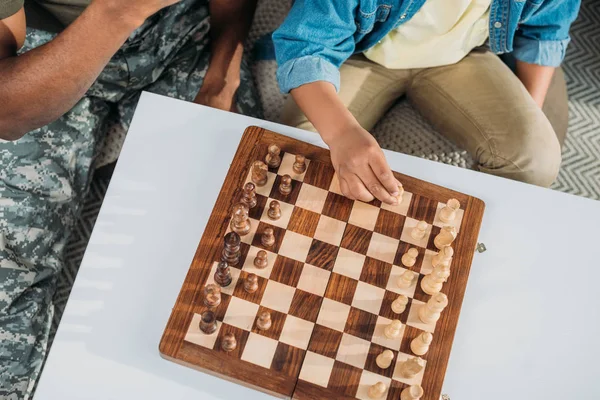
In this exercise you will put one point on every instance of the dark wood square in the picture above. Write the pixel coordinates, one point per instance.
(356, 239)
(376, 272)
(319, 174)
(390, 224)
(277, 232)
(290, 198)
(255, 297)
(411, 333)
(338, 207)
(219, 311)
(256, 212)
(375, 202)
(322, 255)
(435, 230)
(419, 293)
(386, 307)
(395, 390)
(371, 364)
(286, 271)
(325, 341)
(403, 248)
(305, 305)
(241, 336)
(422, 209)
(360, 324)
(344, 379)
(303, 222)
(277, 321)
(341, 288)
(288, 360)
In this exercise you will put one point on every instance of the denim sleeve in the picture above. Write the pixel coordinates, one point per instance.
(313, 42)
(543, 37)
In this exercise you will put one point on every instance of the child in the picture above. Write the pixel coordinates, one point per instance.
(373, 51)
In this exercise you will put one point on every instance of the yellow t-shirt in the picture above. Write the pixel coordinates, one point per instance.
(442, 32)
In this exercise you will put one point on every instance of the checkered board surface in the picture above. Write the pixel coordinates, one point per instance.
(329, 285)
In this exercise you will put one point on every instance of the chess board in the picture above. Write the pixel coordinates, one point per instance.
(329, 284)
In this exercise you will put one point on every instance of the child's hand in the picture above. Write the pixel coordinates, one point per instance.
(361, 167)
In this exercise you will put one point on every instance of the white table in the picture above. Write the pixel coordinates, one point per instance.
(529, 327)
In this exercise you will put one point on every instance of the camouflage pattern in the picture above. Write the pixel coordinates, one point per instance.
(45, 175)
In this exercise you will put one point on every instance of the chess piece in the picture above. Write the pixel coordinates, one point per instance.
(410, 257)
(261, 261)
(208, 322)
(274, 211)
(228, 343)
(264, 321)
(212, 295)
(418, 232)
(433, 282)
(259, 173)
(377, 390)
(399, 305)
(406, 279)
(384, 360)
(400, 193)
(268, 237)
(223, 274)
(411, 367)
(445, 237)
(285, 187)
(273, 158)
(443, 257)
(231, 249)
(251, 283)
(392, 331)
(420, 344)
(448, 212)
(299, 166)
(249, 195)
(414, 392)
(430, 312)
(240, 223)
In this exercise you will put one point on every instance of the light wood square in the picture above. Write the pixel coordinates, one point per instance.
(380, 338)
(316, 369)
(196, 336)
(249, 263)
(259, 350)
(287, 167)
(250, 236)
(413, 317)
(457, 221)
(427, 267)
(295, 246)
(286, 213)
(383, 248)
(349, 263)
(406, 237)
(364, 215)
(266, 189)
(313, 280)
(235, 274)
(402, 207)
(240, 313)
(333, 314)
(392, 284)
(330, 230)
(353, 351)
(278, 296)
(311, 198)
(417, 380)
(296, 332)
(368, 379)
(368, 297)
(335, 185)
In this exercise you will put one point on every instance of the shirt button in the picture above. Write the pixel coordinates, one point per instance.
(403, 16)
(498, 25)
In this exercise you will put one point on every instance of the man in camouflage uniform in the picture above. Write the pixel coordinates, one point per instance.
(45, 174)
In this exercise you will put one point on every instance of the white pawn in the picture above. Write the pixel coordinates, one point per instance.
(420, 344)
(406, 279)
(418, 232)
(410, 257)
(384, 360)
(399, 305)
(430, 312)
(443, 257)
(411, 367)
(400, 193)
(377, 390)
(448, 213)
(413, 392)
(434, 282)
(445, 237)
(392, 331)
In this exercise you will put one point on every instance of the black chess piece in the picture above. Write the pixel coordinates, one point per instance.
(208, 322)
(223, 274)
(231, 248)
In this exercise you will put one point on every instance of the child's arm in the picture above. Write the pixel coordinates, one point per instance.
(536, 79)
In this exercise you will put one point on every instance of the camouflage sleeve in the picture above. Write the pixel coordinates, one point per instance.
(10, 7)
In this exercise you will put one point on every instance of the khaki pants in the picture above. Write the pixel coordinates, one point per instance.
(478, 103)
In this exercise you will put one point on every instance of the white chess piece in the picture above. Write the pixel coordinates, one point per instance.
(445, 237)
(411, 367)
(399, 305)
(384, 360)
(410, 257)
(392, 331)
(406, 279)
(448, 213)
(430, 312)
(420, 344)
(432, 283)
(400, 193)
(443, 257)
(414, 392)
(418, 232)
(377, 390)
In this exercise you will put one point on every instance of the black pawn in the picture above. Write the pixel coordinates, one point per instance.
(223, 274)
(208, 322)
(231, 249)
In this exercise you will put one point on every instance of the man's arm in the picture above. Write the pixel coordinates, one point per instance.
(536, 78)
(230, 22)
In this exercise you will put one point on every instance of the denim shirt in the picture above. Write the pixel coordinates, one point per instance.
(319, 35)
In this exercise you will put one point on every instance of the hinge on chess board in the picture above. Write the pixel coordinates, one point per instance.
(445, 397)
(480, 249)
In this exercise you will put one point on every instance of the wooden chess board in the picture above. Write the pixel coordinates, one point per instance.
(329, 284)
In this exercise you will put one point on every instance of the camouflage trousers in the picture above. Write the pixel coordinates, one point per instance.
(45, 175)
